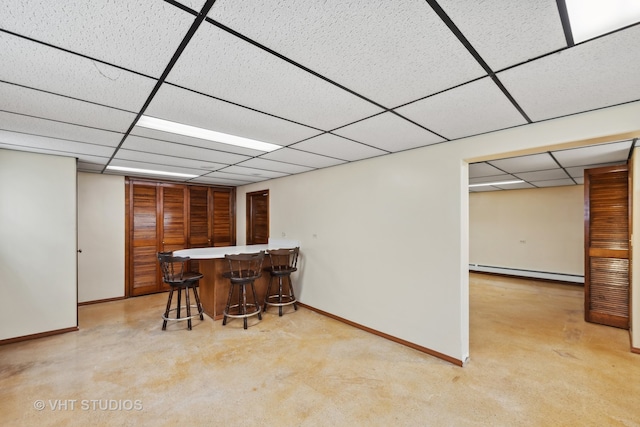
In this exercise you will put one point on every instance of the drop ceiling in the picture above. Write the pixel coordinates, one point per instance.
(331, 82)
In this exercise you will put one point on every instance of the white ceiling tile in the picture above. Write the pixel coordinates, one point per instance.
(42, 127)
(260, 173)
(483, 189)
(244, 179)
(237, 71)
(591, 75)
(593, 154)
(477, 170)
(507, 32)
(271, 165)
(183, 106)
(545, 175)
(579, 180)
(193, 4)
(494, 178)
(553, 183)
(519, 186)
(63, 73)
(45, 105)
(383, 51)
(89, 167)
(182, 151)
(389, 132)
(168, 160)
(218, 181)
(140, 35)
(193, 142)
(529, 163)
(335, 146)
(79, 156)
(302, 158)
(473, 108)
(64, 147)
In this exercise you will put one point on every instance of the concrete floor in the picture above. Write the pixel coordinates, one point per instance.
(534, 362)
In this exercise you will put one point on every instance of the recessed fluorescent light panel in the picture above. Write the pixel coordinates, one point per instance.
(150, 172)
(592, 18)
(210, 135)
(486, 184)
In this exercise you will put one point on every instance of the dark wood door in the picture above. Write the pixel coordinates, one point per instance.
(607, 246)
(143, 222)
(223, 218)
(258, 217)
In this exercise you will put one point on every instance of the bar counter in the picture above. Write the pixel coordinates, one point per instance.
(213, 288)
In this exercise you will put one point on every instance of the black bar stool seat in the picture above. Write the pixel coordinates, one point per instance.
(283, 263)
(175, 275)
(244, 269)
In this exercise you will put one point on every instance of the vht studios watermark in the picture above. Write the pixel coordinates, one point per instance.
(88, 405)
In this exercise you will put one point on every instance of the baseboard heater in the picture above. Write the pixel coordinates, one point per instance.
(561, 277)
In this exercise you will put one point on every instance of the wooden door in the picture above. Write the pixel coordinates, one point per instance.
(173, 232)
(258, 217)
(607, 246)
(223, 218)
(142, 227)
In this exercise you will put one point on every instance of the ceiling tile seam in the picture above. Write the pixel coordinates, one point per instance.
(60, 121)
(77, 54)
(67, 96)
(587, 111)
(269, 170)
(316, 154)
(243, 106)
(440, 92)
(54, 137)
(191, 146)
(312, 72)
(564, 20)
(339, 136)
(562, 167)
(231, 175)
(73, 154)
(221, 170)
(174, 58)
(185, 8)
(467, 44)
(180, 157)
(291, 61)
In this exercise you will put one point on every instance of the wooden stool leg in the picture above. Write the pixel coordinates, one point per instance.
(266, 297)
(226, 310)
(255, 300)
(292, 295)
(188, 299)
(244, 303)
(198, 303)
(166, 312)
(280, 295)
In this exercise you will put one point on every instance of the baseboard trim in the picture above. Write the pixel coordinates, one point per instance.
(36, 336)
(98, 301)
(635, 350)
(386, 336)
(529, 274)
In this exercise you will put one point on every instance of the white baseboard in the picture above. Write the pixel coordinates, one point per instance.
(562, 277)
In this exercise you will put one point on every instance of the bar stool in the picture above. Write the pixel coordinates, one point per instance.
(283, 263)
(175, 275)
(244, 269)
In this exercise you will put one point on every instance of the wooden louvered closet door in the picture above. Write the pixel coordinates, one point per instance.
(607, 246)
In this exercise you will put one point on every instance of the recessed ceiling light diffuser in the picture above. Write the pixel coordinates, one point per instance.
(201, 133)
(150, 172)
(496, 183)
(592, 18)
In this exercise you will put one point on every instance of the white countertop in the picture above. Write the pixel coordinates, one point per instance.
(220, 252)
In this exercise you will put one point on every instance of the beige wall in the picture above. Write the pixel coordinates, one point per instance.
(101, 213)
(385, 240)
(635, 243)
(539, 229)
(37, 243)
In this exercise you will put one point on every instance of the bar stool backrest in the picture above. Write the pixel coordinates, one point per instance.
(245, 267)
(173, 267)
(284, 260)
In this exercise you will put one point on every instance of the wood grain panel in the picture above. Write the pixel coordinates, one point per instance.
(174, 225)
(258, 217)
(607, 246)
(223, 220)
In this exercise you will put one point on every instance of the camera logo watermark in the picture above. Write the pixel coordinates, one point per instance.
(88, 405)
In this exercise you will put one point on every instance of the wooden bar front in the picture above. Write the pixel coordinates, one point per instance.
(214, 289)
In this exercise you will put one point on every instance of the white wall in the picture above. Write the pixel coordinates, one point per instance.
(101, 236)
(539, 229)
(385, 240)
(37, 243)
